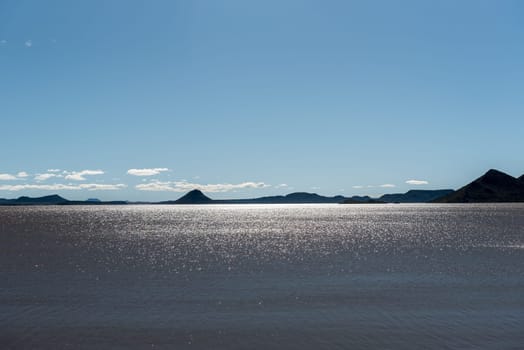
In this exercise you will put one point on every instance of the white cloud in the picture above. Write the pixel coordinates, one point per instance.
(146, 171)
(7, 177)
(157, 186)
(19, 176)
(75, 177)
(101, 187)
(58, 187)
(53, 170)
(28, 43)
(46, 176)
(373, 186)
(37, 187)
(80, 175)
(281, 185)
(417, 182)
(183, 186)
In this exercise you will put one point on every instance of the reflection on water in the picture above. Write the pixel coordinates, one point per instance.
(250, 276)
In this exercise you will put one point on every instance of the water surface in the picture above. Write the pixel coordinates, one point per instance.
(262, 276)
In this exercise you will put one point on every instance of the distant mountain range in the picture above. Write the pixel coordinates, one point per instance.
(197, 197)
(53, 199)
(412, 196)
(494, 186)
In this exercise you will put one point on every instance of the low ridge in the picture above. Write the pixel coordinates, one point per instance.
(415, 196)
(51, 199)
(45, 200)
(291, 198)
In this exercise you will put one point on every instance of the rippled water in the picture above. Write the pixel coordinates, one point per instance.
(259, 277)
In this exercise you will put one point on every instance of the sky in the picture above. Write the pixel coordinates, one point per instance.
(145, 100)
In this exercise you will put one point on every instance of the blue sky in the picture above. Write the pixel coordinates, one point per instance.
(245, 98)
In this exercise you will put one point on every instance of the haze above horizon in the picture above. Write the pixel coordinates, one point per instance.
(147, 100)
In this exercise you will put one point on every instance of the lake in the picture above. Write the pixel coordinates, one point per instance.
(262, 277)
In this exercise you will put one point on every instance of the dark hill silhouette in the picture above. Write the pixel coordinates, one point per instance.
(91, 202)
(362, 200)
(521, 178)
(414, 196)
(304, 197)
(493, 186)
(192, 197)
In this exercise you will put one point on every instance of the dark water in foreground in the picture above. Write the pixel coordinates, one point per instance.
(262, 277)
